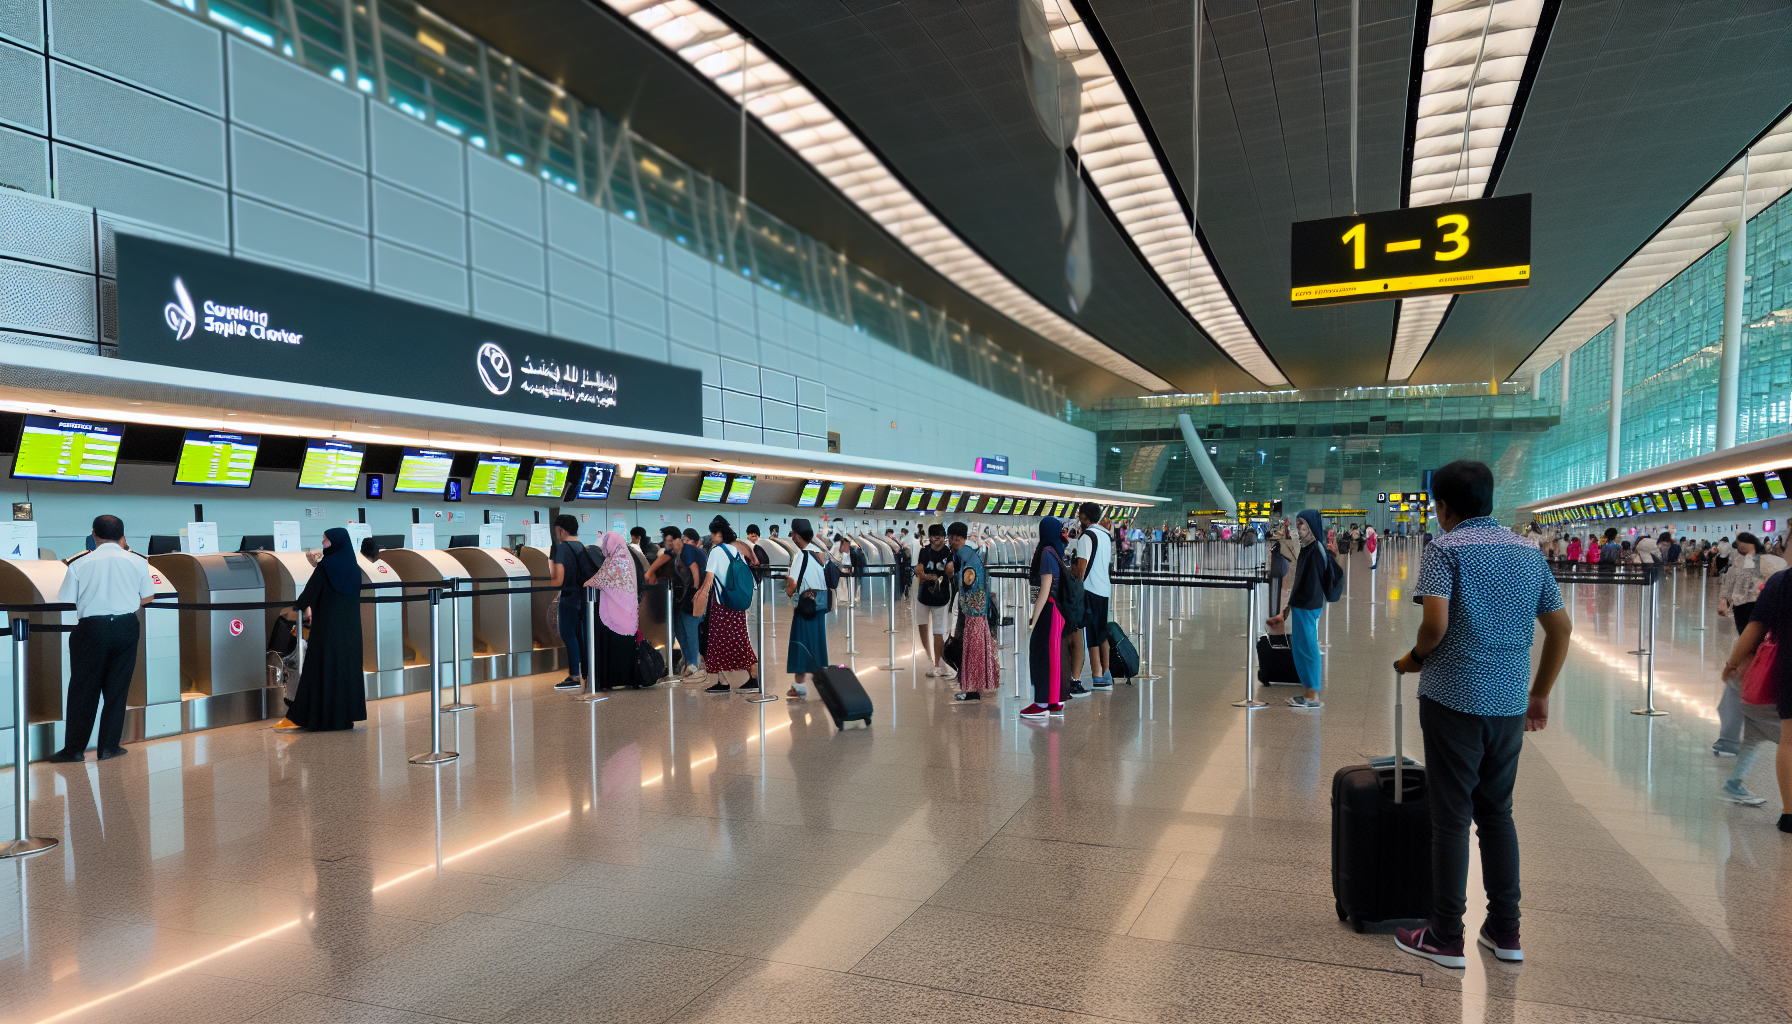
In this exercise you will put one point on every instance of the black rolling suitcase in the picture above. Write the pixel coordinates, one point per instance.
(1275, 660)
(1381, 838)
(844, 697)
(1123, 657)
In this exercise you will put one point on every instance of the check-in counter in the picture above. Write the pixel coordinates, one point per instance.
(39, 581)
(501, 622)
(220, 652)
(382, 625)
(775, 553)
(420, 571)
(155, 682)
(542, 624)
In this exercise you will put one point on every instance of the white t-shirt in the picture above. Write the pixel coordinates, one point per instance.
(810, 570)
(1097, 580)
(719, 557)
(913, 547)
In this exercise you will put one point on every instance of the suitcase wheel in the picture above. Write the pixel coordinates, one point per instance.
(1343, 915)
(1356, 924)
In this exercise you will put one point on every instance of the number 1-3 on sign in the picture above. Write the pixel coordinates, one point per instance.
(1475, 245)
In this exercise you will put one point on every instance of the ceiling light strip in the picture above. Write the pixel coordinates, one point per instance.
(790, 111)
(1470, 45)
(1120, 160)
(1692, 233)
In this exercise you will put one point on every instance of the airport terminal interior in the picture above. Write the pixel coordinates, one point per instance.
(986, 510)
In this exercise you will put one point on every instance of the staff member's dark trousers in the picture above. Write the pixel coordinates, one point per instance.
(102, 654)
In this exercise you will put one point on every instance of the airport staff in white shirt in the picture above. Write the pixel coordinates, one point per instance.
(106, 586)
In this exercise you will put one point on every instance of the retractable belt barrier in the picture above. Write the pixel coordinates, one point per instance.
(1647, 576)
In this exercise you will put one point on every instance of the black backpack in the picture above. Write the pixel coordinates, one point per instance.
(1074, 603)
(1331, 576)
(585, 563)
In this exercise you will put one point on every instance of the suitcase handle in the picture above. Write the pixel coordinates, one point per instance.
(1399, 753)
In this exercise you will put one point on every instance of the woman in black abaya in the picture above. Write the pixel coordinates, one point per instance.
(332, 693)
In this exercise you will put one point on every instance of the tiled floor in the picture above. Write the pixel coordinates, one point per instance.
(668, 855)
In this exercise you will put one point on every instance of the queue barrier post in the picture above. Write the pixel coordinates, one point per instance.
(890, 666)
(852, 611)
(764, 696)
(671, 675)
(436, 754)
(25, 844)
(591, 694)
(454, 614)
(1250, 653)
(1649, 710)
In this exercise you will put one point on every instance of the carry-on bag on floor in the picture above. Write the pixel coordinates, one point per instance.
(1381, 838)
(1275, 660)
(650, 667)
(1123, 657)
(844, 696)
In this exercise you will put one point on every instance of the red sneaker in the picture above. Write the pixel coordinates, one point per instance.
(1055, 710)
(1420, 942)
(1034, 711)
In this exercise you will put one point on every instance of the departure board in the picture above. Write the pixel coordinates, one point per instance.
(832, 498)
(953, 500)
(1007, 505)
(990, 503)
(914, 499)
(893, 497)
(934, 499)
(867, 494)
(970, 502)
(211, 458)
(649, 481)
(496, 475)
(712, 487)
(595, 480)
(423, 471)
(50, 448)
(1775, 488)
(547, 478)
(810, 495)
(740, 490)
(331, 465)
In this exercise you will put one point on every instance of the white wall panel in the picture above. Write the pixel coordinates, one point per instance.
(780, 386)
(145, 43)
(690, 327)
(778, 415)
(412, 220)
(509, 303)
(409, 153)
(47, 301)
(287, 176)
(578, 323)
(25, 162)
(22, 21)
(423, 278)
(23, 100)
(638, 255)
(812, 421)
(101, 114)
(638, 342)
(812, 393)
(503, 194)
(638, 305)
(712, 402)
(577, 228)
(740, 376)
(141, 194)
(502, 254)
(46, 231)
(310, 245)
(739, 408)
(576, 281)
(781, 438)
(277, 97)
(742, 433)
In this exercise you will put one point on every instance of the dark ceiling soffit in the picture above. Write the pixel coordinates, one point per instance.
(1771, 122)
(820, 97)
(1421, 33)
(1546, 23)
(1093, 24)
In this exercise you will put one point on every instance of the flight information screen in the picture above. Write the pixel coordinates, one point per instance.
(331, 465)
(740, 490)
(914, 499)
(648, 482)
(423, 471)
(1008, 502)
(595, 479)
(811, 494)
(496, 475)
(51, 448)
(210, 458)
(714, 484)
(832, 498)
(547, 478)
(893, 497)
(867, 494)
(934, 499)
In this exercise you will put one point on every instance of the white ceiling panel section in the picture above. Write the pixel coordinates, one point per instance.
(1120, 161)
(809, 127)
(1694, 232)
(1475, 53)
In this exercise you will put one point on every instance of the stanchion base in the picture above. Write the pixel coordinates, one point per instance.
(883, 668)
(1648, 712)
(1145, 679)
(766, 699)
(591, 698)
(459, 707)
(667, 679)
(1249, 704)
(27, 847)
(436, 757)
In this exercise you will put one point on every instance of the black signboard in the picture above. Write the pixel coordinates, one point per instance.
(1471, 246)
(188, 308)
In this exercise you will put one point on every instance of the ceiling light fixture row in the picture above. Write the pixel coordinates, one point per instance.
(810, 128)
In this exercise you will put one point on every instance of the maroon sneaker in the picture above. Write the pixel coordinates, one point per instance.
(1033, 711)
(1504, 944)
(1055, 710)
(1420, 942)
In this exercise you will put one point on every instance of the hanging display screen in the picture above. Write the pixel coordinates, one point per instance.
(210, 458)
(647, 484)
(1775, 488)
(1747, 487)
(740, 489)
(1008, 503)
(51, 448)
(834, 492)
(712, 487)
(331, 465)
(810, 495)
(496, 475)
(1723, 492)
(915, 497)
(990, 503)
(547, 478)
(933, 500)
(953, 500)
(867, 494)
(423, 471)
(1674, 501)
(892, 497)
(1465, 246)
(1705, 498)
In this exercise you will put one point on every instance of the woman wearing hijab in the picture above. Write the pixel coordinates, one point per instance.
(332, 694)
(1302, 602)
(978, 669)
(807, 577)
(1045, 651)
(1288, 549)
(618, 615)
(1772, 619)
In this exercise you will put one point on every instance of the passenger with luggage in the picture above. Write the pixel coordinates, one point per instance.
(679, 566)
(933, 595)
(1737, 592)
(332, 693)
(1483, 590)
(1094, 555)
(618, 616)
(978, 668)
(806, 584)
(1045, 650)
(572, 566)
(1762, 677)
(723, 599)
(1316, 576)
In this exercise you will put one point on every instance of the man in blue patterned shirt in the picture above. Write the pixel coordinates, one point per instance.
(1483, 588)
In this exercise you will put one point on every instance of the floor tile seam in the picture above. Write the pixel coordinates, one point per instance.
(1432, 980)
(740, 962)
(1144, 905)
(740, 878)
(378, 1006)
(854, 970)
(1116, 871)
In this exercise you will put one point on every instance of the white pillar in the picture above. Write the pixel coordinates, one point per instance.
(1730, 363)
(1615, 426)
(1567, 362)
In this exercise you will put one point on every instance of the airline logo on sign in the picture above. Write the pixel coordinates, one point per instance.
(229, 321)
(236, 627)
(382, 568)
(153, 578)
(179, 313)
(494, 368)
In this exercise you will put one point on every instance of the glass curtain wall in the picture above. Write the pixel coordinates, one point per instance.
(402, 54)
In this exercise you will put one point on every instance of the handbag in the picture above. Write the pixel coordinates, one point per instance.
(1759, 678)
(806, 605)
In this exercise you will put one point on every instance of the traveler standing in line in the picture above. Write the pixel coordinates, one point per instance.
(1670, 548)
(1737, 592)
(1772, 618)
(933, 593)
(1045, 648)
(1720, 556)
(1611, 552)
(673, 567)
(806, 584)
(1094, 554)
(332, 692)
(106, 586)
(730, 654)
(567, 573)
(1372, 544)
(1303, 600)
(1284, 553)
(1573, 549)
(1482, 591)
(618, 616)
(758, 549)
(908, 556)
(848, 583)
(978, 669)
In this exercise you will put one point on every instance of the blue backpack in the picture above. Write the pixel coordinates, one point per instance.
(736, 589)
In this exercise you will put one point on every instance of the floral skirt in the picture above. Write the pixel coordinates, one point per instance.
(978, 667)
(729, 649)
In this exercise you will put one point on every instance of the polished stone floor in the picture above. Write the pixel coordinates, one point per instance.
(668, 855)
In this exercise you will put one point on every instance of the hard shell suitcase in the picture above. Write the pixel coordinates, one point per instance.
(1275, 661)
(1123, 657)
(1381, 838)
(844, 696)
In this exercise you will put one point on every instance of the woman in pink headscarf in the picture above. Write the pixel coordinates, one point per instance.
(618, 616)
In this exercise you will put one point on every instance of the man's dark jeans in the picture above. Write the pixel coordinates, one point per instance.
(572, 631)
(1471, 762)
